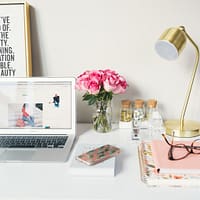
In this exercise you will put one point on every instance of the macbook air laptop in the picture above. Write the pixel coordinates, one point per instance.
(37, 119)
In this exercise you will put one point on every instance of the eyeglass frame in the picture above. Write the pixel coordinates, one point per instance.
(189, 148)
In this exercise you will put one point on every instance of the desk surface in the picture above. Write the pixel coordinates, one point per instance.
(53, 180)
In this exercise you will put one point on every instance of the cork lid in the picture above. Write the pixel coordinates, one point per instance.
(152, 103)
(126, 103)
(138, 103)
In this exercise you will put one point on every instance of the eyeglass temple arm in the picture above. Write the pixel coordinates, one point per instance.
(166, 139)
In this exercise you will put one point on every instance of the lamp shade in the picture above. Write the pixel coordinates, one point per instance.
(171, 43)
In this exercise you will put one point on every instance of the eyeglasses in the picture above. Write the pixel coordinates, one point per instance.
(180, 151)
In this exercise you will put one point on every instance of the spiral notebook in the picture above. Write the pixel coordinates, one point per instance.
(150, 176)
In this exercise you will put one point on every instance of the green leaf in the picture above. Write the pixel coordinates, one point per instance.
(101, 96)
(86, 97)
(92, 100)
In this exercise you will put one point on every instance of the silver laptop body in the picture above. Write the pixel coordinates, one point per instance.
(37, 119)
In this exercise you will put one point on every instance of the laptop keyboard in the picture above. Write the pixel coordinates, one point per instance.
(33, 141)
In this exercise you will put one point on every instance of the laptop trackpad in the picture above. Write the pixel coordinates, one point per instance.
(17, 155)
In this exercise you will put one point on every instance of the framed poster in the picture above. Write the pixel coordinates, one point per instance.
(15, 45)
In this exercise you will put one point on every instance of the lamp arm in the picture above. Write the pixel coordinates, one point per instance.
(190, 84)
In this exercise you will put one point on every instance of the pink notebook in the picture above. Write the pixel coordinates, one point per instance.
(189, 165)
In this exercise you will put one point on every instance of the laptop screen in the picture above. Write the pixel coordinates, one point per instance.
(36, 104)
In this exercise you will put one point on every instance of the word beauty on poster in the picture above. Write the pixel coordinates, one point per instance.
(15, 50)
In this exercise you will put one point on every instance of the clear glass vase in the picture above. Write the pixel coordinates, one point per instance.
(102, 118)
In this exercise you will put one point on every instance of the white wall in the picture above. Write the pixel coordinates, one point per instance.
(70, 36)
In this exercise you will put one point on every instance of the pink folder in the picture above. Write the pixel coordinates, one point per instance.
(189, 165)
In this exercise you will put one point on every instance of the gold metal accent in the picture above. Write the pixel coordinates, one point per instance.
(175, 36)
(182, 128)
(27, 33)
(27, 40)
(191, 128)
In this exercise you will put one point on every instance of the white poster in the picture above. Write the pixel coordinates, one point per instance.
(14, 48)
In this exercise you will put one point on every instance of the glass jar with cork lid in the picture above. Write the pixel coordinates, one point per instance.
(138, 117)
(126, 111)
(151, 107)
(125, 114)
(138, 111)
(154, 117)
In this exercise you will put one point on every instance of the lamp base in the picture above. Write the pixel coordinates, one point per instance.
(191, 128)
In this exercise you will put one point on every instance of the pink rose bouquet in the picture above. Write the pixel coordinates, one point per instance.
(100, 85)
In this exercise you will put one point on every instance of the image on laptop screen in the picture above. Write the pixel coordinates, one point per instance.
(38, 104)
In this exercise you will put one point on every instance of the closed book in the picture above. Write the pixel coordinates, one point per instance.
(188, 165)
(103, 169)
(151, 178)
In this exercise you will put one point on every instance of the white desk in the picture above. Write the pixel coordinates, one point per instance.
(53, 181)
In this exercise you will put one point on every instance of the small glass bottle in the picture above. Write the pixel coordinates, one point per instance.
(154, 118)
(126, 111)
(138, 110)
(138, 117)
(151, 107)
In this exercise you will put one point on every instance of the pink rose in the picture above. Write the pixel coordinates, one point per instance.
(113, 82)
(121, 86)
(92, 82)
(82, 81)
(95, 77)
(94, 87)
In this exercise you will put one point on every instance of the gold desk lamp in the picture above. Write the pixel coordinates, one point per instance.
(169, 46)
